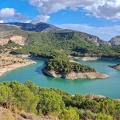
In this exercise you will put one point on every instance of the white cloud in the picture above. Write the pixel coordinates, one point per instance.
(1, 21)
(41, 18)
(109, 9)
(105, 33)
(7, 13)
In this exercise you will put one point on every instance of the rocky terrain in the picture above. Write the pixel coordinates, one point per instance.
(115, 66)
(75, 75)
(94, 96)
(43, 27)
(115, 40)
(11, 63)
(6, 114)
(15, 38)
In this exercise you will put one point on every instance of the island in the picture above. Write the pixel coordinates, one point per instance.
(61, 67)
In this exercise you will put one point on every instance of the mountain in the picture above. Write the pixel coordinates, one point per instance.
(115, 40)
(39, 27)
(44, 27)
(7, 30)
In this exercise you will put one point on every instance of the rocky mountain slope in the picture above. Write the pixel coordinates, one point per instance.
(44, 27)
(115, 40)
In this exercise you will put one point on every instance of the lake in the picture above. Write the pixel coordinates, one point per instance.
(108, 87)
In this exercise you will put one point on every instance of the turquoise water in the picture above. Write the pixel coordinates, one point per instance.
(109, 87)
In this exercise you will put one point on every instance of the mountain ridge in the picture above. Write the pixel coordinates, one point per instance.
(49, 28)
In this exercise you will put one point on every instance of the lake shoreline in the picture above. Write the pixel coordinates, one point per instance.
(94, 58)
(14, 65)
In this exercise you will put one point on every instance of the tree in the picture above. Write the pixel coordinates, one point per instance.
(69, 114)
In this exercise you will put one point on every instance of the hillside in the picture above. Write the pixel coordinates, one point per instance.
(43, 27)
(55, 39)
(45, 40)
(21, 99)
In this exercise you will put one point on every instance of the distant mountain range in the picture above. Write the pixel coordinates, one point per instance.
(44, 27)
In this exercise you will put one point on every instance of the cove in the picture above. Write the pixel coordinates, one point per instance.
(108, 87)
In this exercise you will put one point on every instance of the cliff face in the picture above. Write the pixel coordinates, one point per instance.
(74, 75)
(115, 40)
(17, 39)
(96, 39)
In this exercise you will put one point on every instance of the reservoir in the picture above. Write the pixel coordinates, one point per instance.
(108, 87)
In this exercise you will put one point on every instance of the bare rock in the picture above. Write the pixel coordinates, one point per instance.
(94, 96)
(18, 39)
(115, 66)
(115, 40)
(74, 75)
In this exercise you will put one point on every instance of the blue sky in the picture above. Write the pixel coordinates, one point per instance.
(97, 17)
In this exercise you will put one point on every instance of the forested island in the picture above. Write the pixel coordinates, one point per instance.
(60, 66)
(22, 99)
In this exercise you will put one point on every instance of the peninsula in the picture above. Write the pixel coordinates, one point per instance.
(61, 67)
(11, 63)
(115, 66)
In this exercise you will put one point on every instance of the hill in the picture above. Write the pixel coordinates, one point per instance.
(43, 27)
(28, 98)
(46, 39)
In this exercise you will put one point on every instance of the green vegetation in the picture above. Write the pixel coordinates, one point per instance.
(61, 64)
(49, 101)
(71, 43)
(9, 47)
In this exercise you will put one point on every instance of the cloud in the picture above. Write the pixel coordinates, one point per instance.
(1, 21)
(41, 18)
(51, 6)
(20, 17)
(7, 13)
(105, 33)
(109, 9)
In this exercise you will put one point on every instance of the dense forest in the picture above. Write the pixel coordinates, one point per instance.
(61, 64)
(30, 98)
(71, 43)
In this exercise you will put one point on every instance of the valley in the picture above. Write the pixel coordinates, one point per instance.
(69, 55)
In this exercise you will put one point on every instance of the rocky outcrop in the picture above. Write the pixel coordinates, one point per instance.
(115, 66)
(75, 75)
(115, 40)
(3, 41)
(6, 114)
(18, 39)
(96, 39)
(94, 96)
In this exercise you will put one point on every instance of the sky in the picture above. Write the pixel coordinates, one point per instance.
(96, 17)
